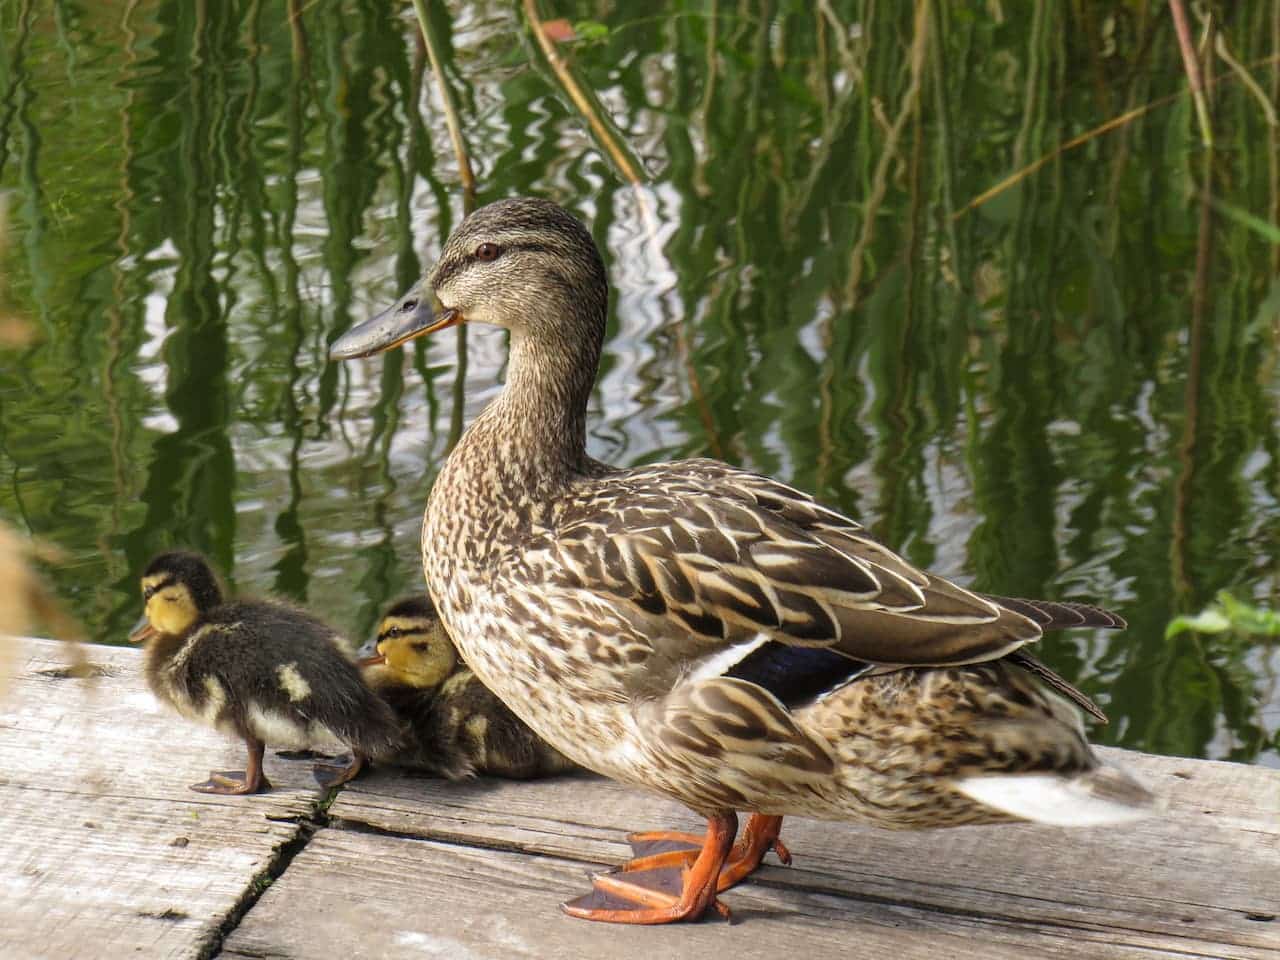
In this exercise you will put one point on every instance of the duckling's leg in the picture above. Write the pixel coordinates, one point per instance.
(670, 848)
(252, 780)
(664, 894)
(336, 774)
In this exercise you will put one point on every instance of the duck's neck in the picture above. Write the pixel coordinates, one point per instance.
(537, 427)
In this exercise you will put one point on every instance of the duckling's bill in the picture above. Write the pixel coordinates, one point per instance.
(142, 630)
(411, 316)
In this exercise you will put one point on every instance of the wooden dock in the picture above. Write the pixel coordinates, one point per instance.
(107, 854)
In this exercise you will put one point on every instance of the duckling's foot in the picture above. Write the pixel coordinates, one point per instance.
(251, 780)
(232, 783)
(663, 894)
(335, 774)
(657, 849)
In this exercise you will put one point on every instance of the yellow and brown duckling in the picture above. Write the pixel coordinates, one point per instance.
(261, 670)
(454, 726)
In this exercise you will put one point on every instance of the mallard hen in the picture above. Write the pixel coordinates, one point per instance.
(454, 725)
(704, 631)
(261, 670)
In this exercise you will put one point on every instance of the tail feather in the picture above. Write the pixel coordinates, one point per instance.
(1061, 685)
(1061, 614)
(1105, 794)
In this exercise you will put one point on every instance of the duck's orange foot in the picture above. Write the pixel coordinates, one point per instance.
(658, 849)
(663, 893)
(642, 896)
(232, 783)
(335, 774)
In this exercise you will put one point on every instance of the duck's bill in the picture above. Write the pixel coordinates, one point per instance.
(391, 328)
(142, 630)
(371, 661)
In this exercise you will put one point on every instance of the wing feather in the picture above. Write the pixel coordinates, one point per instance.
(724, 554)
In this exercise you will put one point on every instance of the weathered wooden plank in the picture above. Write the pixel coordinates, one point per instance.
(1204, 874)
(358, 894)
(106, 852)
(103, 850)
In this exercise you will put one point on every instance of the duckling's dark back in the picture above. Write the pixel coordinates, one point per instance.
(468, 720)
(273, 659)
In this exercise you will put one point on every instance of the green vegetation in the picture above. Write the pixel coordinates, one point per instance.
(1069, 388)
(1226, 613)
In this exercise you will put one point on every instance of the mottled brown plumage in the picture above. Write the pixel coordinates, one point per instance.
(704, 631)
(260, 670)
(454, 725)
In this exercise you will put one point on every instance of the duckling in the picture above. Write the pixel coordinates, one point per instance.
(261, 670)
(454, 726)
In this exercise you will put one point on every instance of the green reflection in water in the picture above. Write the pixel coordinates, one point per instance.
(1070, 390)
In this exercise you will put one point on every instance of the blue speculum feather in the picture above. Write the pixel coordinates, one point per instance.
(796, 675)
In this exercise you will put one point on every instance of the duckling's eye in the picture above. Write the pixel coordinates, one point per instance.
(488, 252)
(148, 593)
(394, 632)
(409, 306)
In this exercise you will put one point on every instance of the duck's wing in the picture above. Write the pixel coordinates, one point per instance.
(1061, 614)
(728, 560)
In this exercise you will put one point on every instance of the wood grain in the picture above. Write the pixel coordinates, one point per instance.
(1204, 874)
(354, 894)
(105, 851)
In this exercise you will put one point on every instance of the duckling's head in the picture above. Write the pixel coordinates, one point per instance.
(523, 263)
(412, 644)
(177, 589)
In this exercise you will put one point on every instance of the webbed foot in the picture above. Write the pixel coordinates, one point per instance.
(335, 774)
(657, 849)
(662, 894)
(232, 783)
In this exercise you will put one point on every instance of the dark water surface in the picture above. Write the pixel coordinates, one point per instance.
(1069, 390)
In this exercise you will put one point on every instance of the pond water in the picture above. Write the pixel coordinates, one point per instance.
(1068, 388)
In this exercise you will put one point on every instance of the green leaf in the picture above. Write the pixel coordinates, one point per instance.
(1248, 618)
(590, 30)
(1255, 223)
(1210, 620)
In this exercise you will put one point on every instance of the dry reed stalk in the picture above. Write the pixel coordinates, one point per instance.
(1182, 26)
(465, 173)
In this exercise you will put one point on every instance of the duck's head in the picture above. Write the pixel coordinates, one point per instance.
(524, 264)
(177, 589)
(412, 645)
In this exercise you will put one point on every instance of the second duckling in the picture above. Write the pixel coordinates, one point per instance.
(262, 670)
(455, 727)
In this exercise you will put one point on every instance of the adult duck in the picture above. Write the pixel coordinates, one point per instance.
(707, 632)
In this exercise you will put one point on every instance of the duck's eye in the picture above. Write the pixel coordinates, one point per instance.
(393, 633)
(409, 306)
(488, 252)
